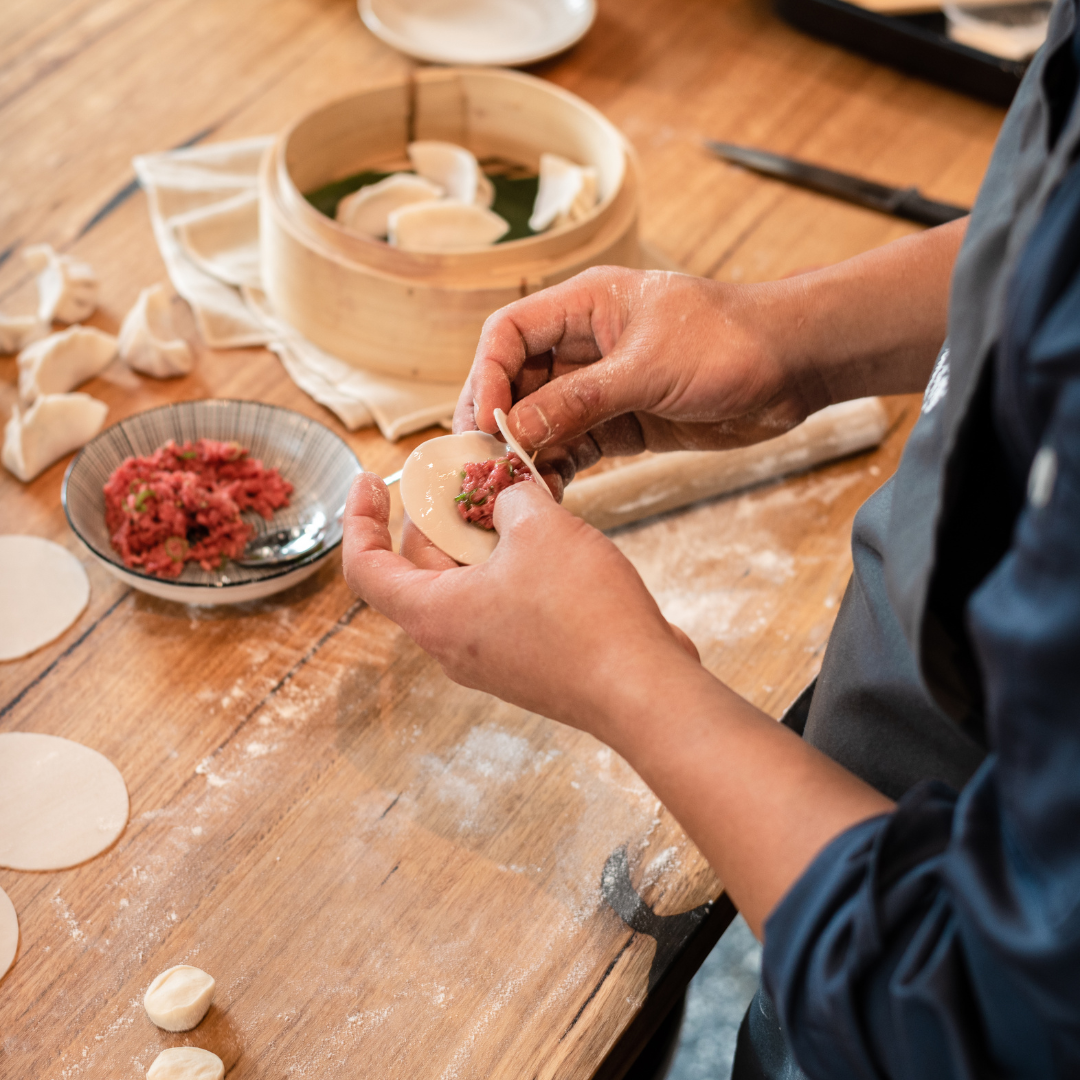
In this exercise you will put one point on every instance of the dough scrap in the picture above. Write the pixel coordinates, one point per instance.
(67, 287)
(9, 933)
(148, 339)
(61, 803)
(179, 997)
(60, 362)
(53, 426)
(43, 590)
(186, 1063)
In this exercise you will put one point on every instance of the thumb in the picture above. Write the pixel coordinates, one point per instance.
(525, 507)
(574, 403)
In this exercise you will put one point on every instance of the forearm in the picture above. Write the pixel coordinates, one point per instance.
(872, 324)
(758, 801)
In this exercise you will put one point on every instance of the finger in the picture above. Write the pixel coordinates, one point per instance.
(526, 328)
(523, 506)
(572, 404)
(420, 551)
(683, 639)
(566, 461)
(388, 582)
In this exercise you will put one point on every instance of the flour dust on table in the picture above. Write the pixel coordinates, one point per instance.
(43, 590)
(61, 803)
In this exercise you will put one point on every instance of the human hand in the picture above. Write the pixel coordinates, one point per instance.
(556, 620)
(617, 361)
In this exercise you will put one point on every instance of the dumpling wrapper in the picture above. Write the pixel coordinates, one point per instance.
(450, 166)
(186, 1063)
(567, 193)
(445, 225)
(18, 331)
(67, 287)
(44, 587)
(53, 426)
(9, 933)
(367, 211)
(179, 997)
(62, 361)
(148, 340)
(431, 480)
(61, 803)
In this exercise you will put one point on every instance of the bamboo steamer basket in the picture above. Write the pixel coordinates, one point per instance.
(418, 315)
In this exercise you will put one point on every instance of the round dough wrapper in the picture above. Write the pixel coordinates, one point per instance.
(431, 479)
(179, 997)
(61, 803)
(186, 1063)
(9, 933)
(45, 589)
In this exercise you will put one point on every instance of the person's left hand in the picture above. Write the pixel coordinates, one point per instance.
(557, 620)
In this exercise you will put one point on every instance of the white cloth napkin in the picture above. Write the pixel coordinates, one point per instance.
(204, 207)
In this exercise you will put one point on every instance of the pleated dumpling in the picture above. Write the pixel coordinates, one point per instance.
(53, 426)
(67, 287)
(567, 193)
(367, 211)
(445, 225)
(60, 362)
(149, 341)
(454, 169)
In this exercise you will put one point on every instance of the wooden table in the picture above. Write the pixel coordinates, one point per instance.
(389, 875)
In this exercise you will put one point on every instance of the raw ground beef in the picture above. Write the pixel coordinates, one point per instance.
(481, 482)
(182, 504)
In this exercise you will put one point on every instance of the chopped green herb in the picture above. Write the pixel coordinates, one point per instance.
(189, 454)
(140, 500)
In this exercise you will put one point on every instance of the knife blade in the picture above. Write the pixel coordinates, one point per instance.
(906, 203)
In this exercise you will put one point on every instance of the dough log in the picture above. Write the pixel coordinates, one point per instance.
(662, 482)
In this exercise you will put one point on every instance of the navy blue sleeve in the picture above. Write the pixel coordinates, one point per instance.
(943, 940)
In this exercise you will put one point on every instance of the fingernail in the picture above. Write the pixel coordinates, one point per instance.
(533, 426)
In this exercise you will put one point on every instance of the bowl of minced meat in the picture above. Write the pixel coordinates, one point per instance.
(167, 499)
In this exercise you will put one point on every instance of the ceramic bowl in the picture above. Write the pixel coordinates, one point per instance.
(318, 464)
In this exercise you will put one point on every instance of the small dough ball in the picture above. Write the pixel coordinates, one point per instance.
(186, 1063)
(178, 998)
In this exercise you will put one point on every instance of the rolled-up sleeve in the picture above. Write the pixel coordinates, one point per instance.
(943, 940)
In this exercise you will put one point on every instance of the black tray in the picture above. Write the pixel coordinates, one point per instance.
(916, 44)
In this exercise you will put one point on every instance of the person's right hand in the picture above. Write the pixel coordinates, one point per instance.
(617, 361)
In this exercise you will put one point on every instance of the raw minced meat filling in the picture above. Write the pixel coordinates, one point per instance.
(481, 482)
(182, 504)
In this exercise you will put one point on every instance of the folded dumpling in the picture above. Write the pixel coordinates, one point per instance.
(454, 169)
(366, 211)
(148, 339)
(17, 331)
(53, 426)
(62, 361)
(445, 225)
(67, 288)
(567, 193)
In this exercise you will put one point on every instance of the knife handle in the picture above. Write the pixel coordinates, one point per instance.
(911, 205)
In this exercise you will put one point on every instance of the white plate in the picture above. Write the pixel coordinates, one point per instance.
(504, 33)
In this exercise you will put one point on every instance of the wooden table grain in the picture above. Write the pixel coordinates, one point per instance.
(387, 874)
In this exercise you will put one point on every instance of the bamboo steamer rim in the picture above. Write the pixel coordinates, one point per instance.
(466, 269)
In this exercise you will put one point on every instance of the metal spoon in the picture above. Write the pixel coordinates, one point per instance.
(295, 541)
